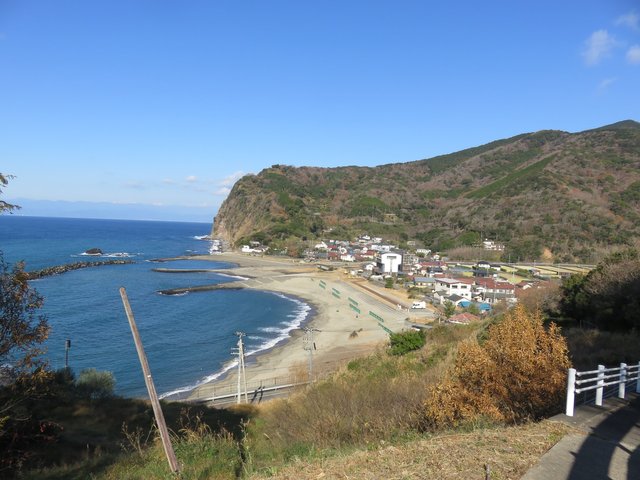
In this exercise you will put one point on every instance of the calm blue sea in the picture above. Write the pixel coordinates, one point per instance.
(188, 338)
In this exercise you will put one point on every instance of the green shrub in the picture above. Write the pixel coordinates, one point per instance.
(96, 384)
(449, 309)
(407, 341)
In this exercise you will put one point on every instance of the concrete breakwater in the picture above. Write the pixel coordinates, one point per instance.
(200, 288)
(185, 270)
(59, 269)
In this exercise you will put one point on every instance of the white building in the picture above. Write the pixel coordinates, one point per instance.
(454, 286)
(381, 248)
(389, 262)
(493, 246)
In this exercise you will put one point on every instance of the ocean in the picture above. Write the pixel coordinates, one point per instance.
(188, 338)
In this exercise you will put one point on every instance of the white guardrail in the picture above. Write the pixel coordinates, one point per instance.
(580, 382)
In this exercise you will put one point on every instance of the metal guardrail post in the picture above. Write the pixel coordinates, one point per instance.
(600, 388)
(623, 380)
(599, 379)
(571, 391)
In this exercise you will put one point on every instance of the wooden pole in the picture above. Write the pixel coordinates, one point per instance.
(155, 403)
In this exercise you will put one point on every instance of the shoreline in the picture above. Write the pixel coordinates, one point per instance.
(341, 333)
(251, 359)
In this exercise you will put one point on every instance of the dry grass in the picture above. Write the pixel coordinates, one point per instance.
(299, 371)
(371, 398)
(509, 452)
(344, 410)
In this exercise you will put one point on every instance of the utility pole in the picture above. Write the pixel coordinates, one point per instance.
(241, 371)
(67, 346)
(310, 345)
(155, 402)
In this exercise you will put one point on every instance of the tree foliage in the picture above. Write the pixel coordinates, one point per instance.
(449, 309)
(608, 297)
(4, 206)
(22, 328)
(518, 373)
(544, 296)
(473, 309)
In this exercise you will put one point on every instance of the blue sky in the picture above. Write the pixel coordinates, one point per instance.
(164, 104)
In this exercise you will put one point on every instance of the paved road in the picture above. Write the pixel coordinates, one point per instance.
(607, 446)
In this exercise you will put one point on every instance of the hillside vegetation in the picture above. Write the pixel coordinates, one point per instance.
(571, 196)
(382, 403)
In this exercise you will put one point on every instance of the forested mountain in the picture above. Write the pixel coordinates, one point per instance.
(550, 194)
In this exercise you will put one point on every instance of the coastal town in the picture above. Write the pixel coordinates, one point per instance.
(451, 290)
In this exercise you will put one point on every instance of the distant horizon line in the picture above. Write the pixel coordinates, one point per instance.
(16, 214)
(111, 211)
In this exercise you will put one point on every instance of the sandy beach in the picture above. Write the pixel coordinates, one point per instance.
(341, 333)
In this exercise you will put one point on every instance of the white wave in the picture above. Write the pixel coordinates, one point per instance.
(270, 329)
(301, 313)
(237, 277)
(201, 237)
(107, 255)
(207, 379)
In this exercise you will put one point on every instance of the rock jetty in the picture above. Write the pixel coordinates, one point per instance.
(57, 270)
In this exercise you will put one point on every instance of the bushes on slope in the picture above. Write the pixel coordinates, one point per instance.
(517, 373)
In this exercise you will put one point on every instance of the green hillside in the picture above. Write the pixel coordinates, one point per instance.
(547, 195)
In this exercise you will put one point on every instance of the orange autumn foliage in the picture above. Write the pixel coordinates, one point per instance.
(517, 373)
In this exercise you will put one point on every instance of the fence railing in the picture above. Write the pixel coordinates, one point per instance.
(599, 380)
(230, 390)
(251, 396)
(225, 390)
